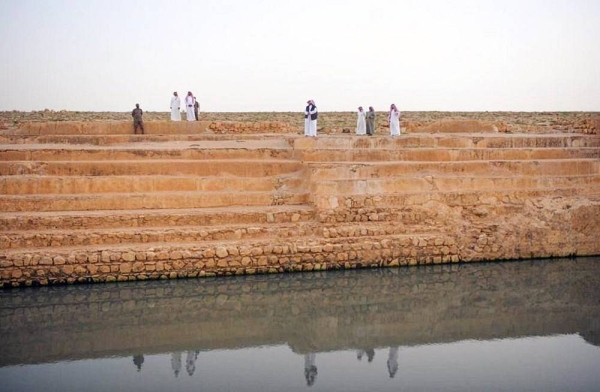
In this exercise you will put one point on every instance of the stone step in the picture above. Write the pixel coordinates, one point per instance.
(448, 183)
(28, 185)
(124, 201)
(105, 140)
(243, 150)
(368, 170)
(111, 127)
(215, 167)
(254, 249)
(415, 140)
(99, 237)
(147, 218)
(444, 155)
(151, 127)
(514, 197)
(375, 226)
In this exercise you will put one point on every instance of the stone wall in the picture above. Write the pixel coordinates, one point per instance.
(229, 198)
(153, 127)
(205, 261)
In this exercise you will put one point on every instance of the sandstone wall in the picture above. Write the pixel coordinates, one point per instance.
(152, 127)
(205, 261)
(258, 198)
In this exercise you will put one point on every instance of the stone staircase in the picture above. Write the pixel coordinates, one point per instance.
(500, 196)
(63, 198)
(91, 202)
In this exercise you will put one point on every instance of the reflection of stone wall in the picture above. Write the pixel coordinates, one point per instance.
(310, 312)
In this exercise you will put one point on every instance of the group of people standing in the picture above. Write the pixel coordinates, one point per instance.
(365, 124)
(192, 107)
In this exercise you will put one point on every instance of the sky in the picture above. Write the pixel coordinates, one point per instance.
(274, 55)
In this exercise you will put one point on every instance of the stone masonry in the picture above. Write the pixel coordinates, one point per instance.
(90, 202)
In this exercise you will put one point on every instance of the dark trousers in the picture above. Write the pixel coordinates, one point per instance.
(136, 125)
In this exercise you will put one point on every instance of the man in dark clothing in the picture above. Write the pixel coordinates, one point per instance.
(371, 121)
(196, 109)
(137, 119)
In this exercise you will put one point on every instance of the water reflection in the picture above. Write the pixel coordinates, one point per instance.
(138, 361)
(433, 328)
(392, 362)
(310, 370)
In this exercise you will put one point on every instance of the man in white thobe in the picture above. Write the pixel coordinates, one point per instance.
(175, 107)
(361, 122)
(310, 119)
(394, 119)
(189, 106)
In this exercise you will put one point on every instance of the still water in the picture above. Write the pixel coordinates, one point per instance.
(512, 326)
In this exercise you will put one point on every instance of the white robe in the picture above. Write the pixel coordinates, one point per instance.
(313, 128)
(189, 108)
(361, 123)
(310, 126)
(307, 126)
(175, 109)
(394, 123)
(313, 123)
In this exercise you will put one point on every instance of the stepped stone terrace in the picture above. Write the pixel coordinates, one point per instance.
(88, 201)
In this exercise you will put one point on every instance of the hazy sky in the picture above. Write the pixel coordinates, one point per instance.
(273, 55)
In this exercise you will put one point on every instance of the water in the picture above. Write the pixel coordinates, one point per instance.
(513, 326)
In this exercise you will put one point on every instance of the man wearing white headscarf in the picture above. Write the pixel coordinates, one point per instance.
(361, 124)
(175, 107)
(394, 119)
(310, 119)
(189, 106)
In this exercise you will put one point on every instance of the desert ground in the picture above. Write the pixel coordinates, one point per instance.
(338, 122)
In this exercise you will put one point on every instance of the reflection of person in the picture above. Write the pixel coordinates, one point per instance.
(175, 107)
(138, 360)
(176, 363)
(392, 362)
(361, 125)
(310, 119)
(370, 121)
(190, 362)
(394, 119)
(370, 354)
(310, 370)
(189, 106)
(196, 109)
(137, 119)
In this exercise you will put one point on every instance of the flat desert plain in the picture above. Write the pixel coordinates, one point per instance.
(340, 122)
